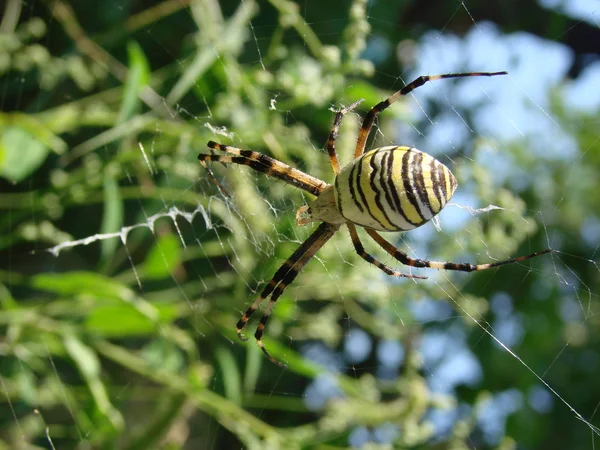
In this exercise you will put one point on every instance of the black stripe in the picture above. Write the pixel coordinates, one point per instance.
(374, 174)
(420, 183)
(251, 154)
(386, 180)
(415, 170)
(435, 182)
(362, 194)
(351, 187)
(407, 186)
(463, 267)
(392, 188)
(245, 318)
(339, 195)
(276, 173)
(442, 174)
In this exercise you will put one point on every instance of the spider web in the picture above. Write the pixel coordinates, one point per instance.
(124, 261)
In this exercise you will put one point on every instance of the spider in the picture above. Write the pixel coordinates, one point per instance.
(394, 188)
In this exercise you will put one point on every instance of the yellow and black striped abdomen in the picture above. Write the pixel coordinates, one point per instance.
(393, 189)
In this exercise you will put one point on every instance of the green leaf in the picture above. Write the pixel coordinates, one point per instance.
(119, 321)
(88, 365)
(122, 320)
(163, 355)
(231, 375)
(254, 362)
(112, 219)
(137, 77)
(6, 299)
(26, 383)
(86, 359)
(20, 153)
(164, 256)
(71, 283)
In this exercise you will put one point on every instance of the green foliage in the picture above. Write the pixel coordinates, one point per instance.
(16, 164)
(126, 268)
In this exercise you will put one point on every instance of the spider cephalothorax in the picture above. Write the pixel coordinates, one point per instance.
(386, 189)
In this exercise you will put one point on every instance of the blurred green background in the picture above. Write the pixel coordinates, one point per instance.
(124, 268)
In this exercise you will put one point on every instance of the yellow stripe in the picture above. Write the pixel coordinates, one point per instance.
(408, 209)
(369, 192)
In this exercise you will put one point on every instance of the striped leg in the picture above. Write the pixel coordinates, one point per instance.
(369, 119)
(333, 158)
(326, 231)
(370, 259)
(267, 165)
(462, 267)
(282, 278)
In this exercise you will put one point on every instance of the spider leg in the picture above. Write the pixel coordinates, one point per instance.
(214, 180)
(267, 165)
(289, 277)
(286, 267)
(333, 158)
(282, 278)
(462, 267)
(371, 259)
(369, 119)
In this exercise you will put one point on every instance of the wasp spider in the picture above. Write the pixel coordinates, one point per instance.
(387, 189)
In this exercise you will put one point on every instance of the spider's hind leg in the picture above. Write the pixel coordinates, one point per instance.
(360, 250)
(461, 267)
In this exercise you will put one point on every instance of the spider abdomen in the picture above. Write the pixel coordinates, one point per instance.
(393, 189)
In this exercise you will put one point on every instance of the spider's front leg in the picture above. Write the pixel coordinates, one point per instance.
(333, 158)
(265, 164)
(369, 119)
